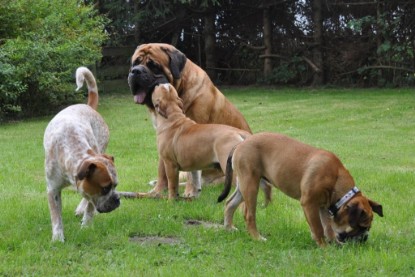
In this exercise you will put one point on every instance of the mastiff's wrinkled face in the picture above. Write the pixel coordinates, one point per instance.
(153, 64)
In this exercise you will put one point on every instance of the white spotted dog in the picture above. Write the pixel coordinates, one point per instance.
(75, 141)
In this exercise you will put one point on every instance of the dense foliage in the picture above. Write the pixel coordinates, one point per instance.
(41, 44)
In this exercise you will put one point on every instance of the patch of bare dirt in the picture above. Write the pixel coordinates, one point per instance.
(155, 240)
(206, 224)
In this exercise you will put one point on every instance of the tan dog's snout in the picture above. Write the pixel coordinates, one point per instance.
(163, 97)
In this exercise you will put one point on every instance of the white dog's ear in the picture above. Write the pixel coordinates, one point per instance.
(86, 169)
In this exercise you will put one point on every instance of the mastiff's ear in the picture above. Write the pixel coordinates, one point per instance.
(177, 62)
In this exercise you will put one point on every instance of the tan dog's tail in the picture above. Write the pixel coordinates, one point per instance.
(84, 74)
(228, 176)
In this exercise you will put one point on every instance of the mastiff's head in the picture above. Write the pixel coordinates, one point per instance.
(153, 64)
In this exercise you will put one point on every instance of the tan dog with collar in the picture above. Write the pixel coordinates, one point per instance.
(75, 141)
(333, 207)
(185, 145)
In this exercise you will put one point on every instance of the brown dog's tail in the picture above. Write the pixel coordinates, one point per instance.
(228, 176)
(84, 74)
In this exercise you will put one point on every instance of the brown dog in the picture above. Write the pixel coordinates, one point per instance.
(185, 145)
(332, 205)
(157, 63)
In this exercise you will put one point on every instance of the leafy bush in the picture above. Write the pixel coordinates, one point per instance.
(44, 42)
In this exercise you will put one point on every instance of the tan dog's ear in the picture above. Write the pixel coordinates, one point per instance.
(86, 169)
(177, 62)
(160, 109)
(180, 103)
(376, 207)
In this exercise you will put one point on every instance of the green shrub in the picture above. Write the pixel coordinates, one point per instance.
(44, 42)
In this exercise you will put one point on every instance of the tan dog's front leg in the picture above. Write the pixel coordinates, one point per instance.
(326, 222)
(172, 173)
(311, 211)
(161, 184)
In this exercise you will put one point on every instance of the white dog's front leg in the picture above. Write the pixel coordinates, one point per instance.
(193, 184)
(55, 208)
(88, 214)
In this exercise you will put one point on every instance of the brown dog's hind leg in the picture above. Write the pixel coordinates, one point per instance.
(231, 205)
(249, 186)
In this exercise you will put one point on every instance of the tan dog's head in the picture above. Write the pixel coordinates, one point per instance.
(166, 101)
(353, 220)
(153, 64)
(96, 181)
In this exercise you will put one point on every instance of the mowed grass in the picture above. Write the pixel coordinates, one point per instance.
(372, 131)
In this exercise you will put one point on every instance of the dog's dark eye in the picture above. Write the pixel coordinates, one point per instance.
(154, 67)
(106, 190)
(136, 62)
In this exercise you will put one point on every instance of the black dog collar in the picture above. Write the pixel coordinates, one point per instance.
(333, 209)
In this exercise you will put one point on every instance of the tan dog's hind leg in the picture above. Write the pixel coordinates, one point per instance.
(231, 205)
(267, 189)
(249, 186)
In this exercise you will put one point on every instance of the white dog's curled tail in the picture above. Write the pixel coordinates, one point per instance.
(84, 74)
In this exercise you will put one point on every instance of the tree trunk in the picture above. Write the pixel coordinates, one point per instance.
(318, 77)
(210, 45)
(267, 42)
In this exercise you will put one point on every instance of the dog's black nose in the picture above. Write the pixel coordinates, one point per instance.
(137, 70)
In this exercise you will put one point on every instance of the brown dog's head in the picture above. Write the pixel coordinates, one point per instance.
(96, 181)
(166, 100)
(353, 220)
(153, 64)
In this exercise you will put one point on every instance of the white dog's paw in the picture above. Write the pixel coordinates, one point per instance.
(192, 194)
(58, 237)
(231, 228)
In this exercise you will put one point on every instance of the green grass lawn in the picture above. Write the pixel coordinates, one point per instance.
(372, 131)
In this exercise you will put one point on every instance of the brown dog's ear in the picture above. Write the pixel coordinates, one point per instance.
(376, 207)
(86, 169)
(177, 62)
